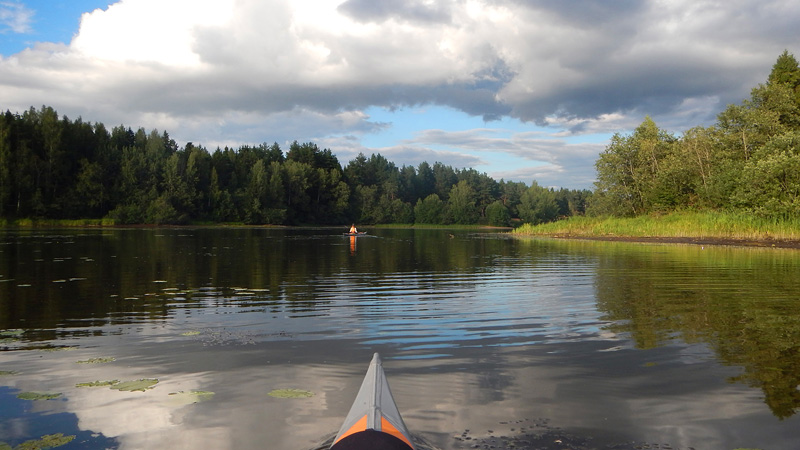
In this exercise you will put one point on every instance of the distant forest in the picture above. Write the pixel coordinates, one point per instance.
(748, 161)
(55, 168)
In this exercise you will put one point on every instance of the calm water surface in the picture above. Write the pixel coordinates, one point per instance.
(486, 340)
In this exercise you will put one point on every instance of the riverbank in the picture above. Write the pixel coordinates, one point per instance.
(111, 223)
(56, 223)
(700, 228)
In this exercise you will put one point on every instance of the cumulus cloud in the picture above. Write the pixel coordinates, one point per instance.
(544, 158)
(233, 70)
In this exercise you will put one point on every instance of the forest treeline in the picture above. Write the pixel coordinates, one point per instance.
(55, 168)
(749, 161)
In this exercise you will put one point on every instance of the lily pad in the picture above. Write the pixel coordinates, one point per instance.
(136, 385)
(38, 395)
(47, 441)
(97, 360)
(290, 393)
(57, 349)
(98, 383)
(190, 333)
(13, 332)
(193, 396)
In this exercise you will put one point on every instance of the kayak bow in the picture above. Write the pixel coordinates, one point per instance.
(374, 421)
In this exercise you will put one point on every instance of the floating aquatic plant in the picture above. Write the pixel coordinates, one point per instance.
(38, 395)
(57, 349)
(290, 393)
(6, 373)
(136, 385)
(190, 333)
(4, 446)
(193, 396)
(98, 383)
(97, 360)
(12, 333)
(10, 336)
(46, 441)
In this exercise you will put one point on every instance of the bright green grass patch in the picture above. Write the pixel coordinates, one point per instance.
(290, 393)
(679, 224)
(38, 395)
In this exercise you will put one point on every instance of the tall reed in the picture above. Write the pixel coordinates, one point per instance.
(678, 224)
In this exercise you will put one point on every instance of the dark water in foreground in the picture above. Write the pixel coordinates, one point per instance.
(486, 340)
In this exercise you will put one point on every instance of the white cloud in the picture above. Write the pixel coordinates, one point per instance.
(238, 71)
(15, 17)
(158, 31)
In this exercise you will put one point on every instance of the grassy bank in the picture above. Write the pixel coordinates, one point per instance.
(52, 223)
(674, 225)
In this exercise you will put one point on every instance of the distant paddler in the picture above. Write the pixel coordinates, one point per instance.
(353, 229)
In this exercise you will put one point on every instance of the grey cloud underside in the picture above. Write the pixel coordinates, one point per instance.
(657, 88)
(188, 97)
(403, 10)
(620, 70)
(584, 12)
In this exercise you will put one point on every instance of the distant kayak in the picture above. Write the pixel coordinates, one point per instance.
(360, 233)
(374, 421)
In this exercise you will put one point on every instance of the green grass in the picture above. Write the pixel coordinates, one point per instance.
(56, 223)
(679, 224)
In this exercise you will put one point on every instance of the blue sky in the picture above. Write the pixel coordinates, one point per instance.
(44, 21)
(523, 91)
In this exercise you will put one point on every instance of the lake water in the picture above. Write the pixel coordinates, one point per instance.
(487, 341)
